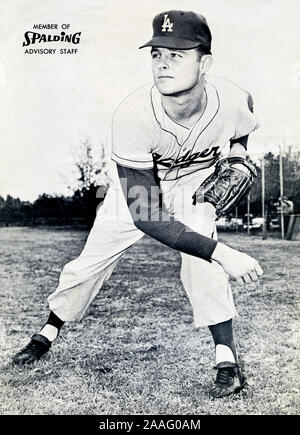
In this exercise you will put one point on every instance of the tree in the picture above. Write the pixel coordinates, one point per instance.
(12, 210)
(92, 181)
(91, 169)
(89, 190)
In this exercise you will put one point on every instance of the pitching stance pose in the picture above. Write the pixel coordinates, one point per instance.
(170, 182)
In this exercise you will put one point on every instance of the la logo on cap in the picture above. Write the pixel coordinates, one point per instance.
(167, 24)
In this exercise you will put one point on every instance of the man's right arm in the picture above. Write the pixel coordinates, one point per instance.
(155, 221)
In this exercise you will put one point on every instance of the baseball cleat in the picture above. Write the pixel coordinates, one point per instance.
(229, 380)
(31, 353)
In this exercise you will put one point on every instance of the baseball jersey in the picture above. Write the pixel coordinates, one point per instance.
(144, 136)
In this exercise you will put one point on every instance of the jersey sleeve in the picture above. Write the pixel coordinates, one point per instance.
(132, 138)
(246, 121)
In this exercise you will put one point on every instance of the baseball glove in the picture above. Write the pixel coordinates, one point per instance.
(227, 185)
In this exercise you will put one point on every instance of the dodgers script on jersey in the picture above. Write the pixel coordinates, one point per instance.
(144, 136)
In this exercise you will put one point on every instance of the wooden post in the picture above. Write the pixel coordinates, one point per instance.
(281, 192)
(248, 214)
(263, 197)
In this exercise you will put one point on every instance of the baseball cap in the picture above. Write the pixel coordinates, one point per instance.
(180, 29)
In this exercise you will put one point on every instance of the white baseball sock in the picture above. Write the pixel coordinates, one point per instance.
(224, 353)
(49, 331)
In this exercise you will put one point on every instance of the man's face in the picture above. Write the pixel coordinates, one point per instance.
(175, 71)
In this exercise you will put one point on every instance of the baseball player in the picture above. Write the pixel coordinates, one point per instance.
(167, 139)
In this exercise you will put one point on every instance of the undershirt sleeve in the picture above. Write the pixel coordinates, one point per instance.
(141, 186)
(242, 140)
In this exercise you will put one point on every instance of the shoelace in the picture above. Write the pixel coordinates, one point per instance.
(224, 375)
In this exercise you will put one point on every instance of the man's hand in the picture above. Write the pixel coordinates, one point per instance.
(241, 267)
(230, 182)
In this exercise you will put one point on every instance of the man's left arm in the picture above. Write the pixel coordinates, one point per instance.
(235, 175)
(231, 181)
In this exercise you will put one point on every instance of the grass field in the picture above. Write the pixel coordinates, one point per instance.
(136, 350)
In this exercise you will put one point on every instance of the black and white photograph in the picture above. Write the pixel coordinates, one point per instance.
(149, 210)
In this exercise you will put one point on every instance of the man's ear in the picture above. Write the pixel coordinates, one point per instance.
(206, 62)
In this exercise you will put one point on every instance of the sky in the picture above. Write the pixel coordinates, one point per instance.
(50, 103)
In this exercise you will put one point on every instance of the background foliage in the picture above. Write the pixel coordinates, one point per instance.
(92, 181)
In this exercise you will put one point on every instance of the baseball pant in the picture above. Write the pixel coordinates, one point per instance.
(113, 232)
